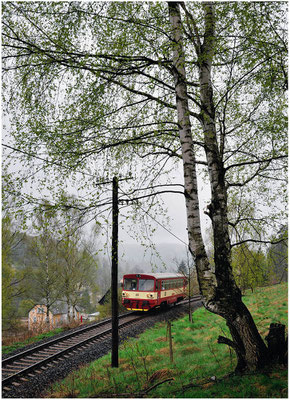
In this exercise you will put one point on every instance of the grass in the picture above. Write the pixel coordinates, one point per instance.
(200, 368)
(15, 346)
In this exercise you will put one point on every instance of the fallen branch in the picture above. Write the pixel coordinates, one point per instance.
(157, 384)
(143, 393)
(192, 385)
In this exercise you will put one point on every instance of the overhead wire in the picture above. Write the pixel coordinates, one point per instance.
(91, 175)
(159, 223)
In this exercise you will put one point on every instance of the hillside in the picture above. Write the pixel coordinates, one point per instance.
(201, 367)
(164, 258)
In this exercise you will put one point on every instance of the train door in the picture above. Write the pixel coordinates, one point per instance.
(158, 288)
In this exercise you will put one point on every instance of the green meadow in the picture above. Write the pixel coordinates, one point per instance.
(201, 368)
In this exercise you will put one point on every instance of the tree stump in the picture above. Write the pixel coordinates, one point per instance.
(277, 344)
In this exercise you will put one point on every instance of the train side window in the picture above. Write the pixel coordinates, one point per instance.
(162, 285)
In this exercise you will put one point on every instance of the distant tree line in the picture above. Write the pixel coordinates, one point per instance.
(254, 267)
(57, 263)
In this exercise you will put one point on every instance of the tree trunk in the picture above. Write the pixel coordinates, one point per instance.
(219, 290)
(227, 302)
(47, 313)
(196, 245)
(68, 310)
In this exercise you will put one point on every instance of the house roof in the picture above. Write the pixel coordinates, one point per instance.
(59, 307)
(105, 298)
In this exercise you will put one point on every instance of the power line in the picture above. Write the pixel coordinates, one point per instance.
(91, 175)
(167, 230)
(162, 226)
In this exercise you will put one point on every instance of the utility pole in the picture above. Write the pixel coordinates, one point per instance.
(114, 277)
(114, 270)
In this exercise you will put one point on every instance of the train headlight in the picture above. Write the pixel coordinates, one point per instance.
(124, 294)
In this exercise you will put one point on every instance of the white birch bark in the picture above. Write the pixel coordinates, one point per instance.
(218, 207)
(196, 246)
(221, 294)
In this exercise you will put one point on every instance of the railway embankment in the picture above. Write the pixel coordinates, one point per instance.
(201, 368)
(36, 385)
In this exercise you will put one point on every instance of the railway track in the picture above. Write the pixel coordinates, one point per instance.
(20, 368)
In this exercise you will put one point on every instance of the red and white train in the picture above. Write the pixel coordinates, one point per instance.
(142, 292)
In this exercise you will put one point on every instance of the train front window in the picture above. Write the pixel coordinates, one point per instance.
(130, 284)
(146, 284)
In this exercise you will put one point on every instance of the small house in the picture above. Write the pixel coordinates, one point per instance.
(58, 315)
(37, 317)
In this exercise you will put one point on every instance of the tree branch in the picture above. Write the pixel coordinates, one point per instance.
(266, 160)
(257, 241)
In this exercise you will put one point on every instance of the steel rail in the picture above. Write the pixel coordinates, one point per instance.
(14, 377)
(41, 346)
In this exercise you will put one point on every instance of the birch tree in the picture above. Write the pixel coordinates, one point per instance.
(105, 85)
(220, 292)
(43, 275)
(77, 264)
(12, 280)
